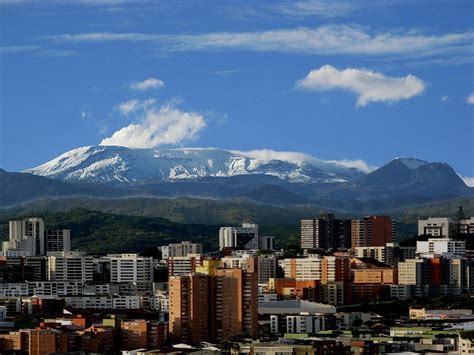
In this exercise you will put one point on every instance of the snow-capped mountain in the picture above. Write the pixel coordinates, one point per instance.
(114, 164)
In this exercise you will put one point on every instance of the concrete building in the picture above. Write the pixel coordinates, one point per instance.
(266, 268)
(183, 265)
(57, 240)
(466, 226)
(236, 304)
(302, 269)
(245, 237)
(70, 266)
(141, 333)
(372, 231)
(28, 237)
(415, 272)
(230, 308)
(335, 268)
(189, 316)
(266, 242)
(325, 233)
(180, 249)
(390, 254)
(304, 323)
(441, 246)
(130, 268)
(437, 227)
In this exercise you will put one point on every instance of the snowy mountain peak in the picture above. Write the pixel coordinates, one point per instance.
(411, 163)
(115, 164)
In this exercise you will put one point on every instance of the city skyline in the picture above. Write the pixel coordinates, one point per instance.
(330, 79)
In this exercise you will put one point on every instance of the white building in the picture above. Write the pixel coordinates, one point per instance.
(304, 323)
(245, 237)
(180, 249)
(437, 227)
(70, 266)
(130, 268)
(183, 265)
(441, 246)
(303, 269)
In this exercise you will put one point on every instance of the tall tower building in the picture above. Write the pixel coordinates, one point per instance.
(372, 231)
(245, 237)
(236, 304)
(26, 234)
(189, 311)
(214, 307)
(325, 233)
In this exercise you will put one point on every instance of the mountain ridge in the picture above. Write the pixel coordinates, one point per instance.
(264, 177)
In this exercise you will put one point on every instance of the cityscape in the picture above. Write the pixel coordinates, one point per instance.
(281, 177)
(334, 295)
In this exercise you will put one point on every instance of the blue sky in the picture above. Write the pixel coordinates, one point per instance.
(367, 80)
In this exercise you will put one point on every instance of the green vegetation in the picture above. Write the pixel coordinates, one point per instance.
(138, 223)
(98, 232)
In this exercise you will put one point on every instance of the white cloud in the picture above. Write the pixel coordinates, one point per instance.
(133, 105)
(470, 99)
(150, 83)
(444, 98)
(158, 126)
(299, 157)
(324, 40)
(18, 49)
(368, 85)
(469, 181)
(322, 8)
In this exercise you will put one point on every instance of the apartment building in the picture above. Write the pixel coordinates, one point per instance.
(302, 269)
(70, 266)
(372, 231)
(130, 268)
(180, 249)
(325, 233)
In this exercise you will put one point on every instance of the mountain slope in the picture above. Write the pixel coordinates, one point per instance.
(21, 187)
(121, 165)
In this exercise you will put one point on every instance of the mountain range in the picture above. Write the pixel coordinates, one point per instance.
(263, 176)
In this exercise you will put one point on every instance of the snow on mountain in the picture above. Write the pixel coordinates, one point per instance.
(411, 163)
(110, 164)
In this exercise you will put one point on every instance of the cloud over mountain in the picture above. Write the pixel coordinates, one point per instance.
(368, 85)
(156, 126)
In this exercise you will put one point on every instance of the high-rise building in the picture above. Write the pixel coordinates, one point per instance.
(325, 233)
(189, 313)
(335, 268)
(415, 272)
(26, 238)
(214, 307)
(57, 240)
(130, 268)
(236, 301)
(29, 238)
(441, 246)
(437, 227)
(70, 266)
(466, 226)
(266, 268)
(183, 265)
(372, 231)
(303, 269)
(390, 254)
(181, 249)
(245, 237)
